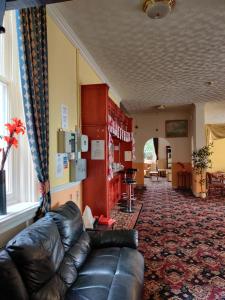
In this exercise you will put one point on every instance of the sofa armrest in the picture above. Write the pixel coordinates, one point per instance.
(114, 238)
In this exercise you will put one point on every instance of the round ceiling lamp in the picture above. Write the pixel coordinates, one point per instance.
(157, 9)
(161, 107)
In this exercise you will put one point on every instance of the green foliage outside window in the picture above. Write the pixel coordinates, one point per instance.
(149, 152)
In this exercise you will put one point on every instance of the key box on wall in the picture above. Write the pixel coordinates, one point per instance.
(78, 170)
(66, 142)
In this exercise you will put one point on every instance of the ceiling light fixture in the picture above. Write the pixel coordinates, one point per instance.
(157, 9)
(161, 107)
(209, 83)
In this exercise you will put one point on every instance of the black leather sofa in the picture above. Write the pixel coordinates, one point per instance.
(55, 259)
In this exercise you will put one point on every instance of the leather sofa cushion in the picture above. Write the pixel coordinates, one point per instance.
(74, 259)
(37, 252)
(11, 284)
(110, 273)
(80, 250)
(69, 222)
(101, 262)
(54, 289)
(91, 287)
(67, 270)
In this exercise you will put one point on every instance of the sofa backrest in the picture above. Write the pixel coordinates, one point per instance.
(76, 241)
(69, 222)
(11, 283)
(43, 259)
(37, 252)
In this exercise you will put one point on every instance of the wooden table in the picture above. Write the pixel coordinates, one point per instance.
(154, 173)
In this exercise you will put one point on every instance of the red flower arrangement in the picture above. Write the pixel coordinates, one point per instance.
(14, 128)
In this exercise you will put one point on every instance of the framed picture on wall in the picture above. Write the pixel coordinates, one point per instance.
(176, 128)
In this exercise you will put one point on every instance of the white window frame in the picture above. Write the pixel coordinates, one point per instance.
(22, 178)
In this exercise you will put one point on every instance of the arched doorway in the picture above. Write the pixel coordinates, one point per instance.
(157, 159)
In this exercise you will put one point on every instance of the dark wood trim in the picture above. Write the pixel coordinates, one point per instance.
(18, 4)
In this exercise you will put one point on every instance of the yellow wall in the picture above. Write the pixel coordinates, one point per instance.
(218, 164)
(114, 97)
(62, 90)
(140, 173)
(67, 71)
(218, 158)
(152, 124)
(86, 74)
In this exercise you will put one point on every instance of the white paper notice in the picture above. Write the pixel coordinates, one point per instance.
(64, 116)
(59, 165)
(98, 149)
(127, 155)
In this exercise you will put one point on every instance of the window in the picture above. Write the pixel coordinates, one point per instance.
(20, 182)
(149, 152)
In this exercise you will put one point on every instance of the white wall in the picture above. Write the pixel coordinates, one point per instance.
(215, 112)
(162, 159)
(162, 147)
(199, 139)
(153, 125)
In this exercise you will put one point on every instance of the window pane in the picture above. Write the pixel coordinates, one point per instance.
(3, 107)
(3, 120)
(2, 54)
(6, 46)
(149, 152)
(19, 176)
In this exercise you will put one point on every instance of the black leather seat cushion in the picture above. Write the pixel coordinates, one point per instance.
(109, 273)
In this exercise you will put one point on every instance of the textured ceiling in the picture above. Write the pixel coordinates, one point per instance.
(152, 62)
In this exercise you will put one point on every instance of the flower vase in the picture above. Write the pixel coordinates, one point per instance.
(2, 193)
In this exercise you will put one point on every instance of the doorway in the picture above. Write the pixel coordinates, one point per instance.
(157, 160)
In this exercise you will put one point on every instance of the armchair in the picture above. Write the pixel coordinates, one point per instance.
(214, 183)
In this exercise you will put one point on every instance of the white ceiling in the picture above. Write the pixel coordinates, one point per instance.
(152, 62)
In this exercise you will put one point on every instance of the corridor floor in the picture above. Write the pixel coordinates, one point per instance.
(182, 239)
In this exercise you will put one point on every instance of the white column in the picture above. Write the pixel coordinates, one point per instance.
(199, 126)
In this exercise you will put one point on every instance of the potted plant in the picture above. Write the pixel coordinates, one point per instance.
(14, 128)
(201, 162)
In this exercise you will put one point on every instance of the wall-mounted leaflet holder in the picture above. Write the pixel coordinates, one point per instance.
(78, 170)
(77, 141)
(66, 141)
(84, 143)
(81, 142)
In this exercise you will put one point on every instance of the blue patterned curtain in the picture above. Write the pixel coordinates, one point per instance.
(33, 57)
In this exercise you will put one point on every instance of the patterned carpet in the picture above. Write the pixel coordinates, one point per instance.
(125, 220)
(183, 241)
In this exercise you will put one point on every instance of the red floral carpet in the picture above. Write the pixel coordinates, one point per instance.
(183, 241)
(125, 220)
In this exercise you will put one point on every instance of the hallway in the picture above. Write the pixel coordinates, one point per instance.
(183, 241)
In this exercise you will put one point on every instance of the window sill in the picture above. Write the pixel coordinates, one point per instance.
(17, 214)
